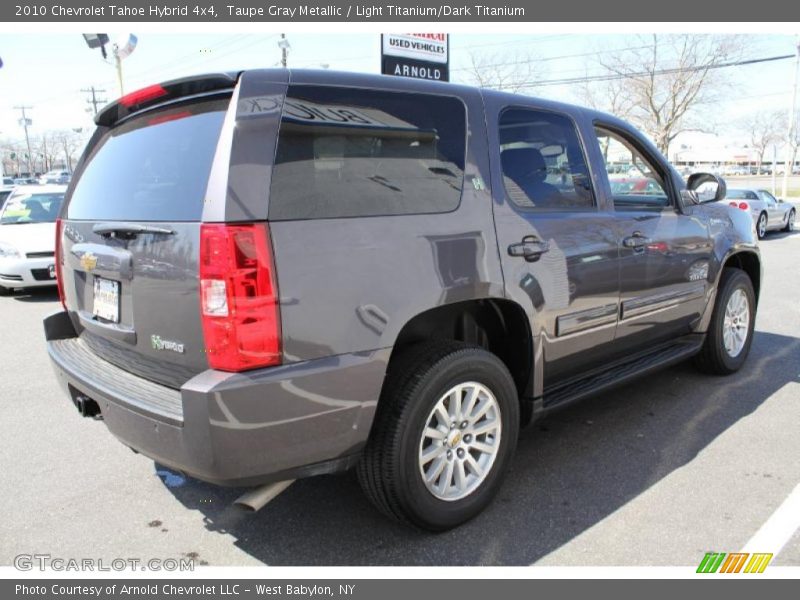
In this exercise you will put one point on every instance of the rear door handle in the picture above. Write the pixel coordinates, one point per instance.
(530, 248)
(637, 240)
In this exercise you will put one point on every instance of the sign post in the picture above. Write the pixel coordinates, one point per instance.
(418, 55)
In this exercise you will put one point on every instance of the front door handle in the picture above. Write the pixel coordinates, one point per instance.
(636, 241)
(530, 248)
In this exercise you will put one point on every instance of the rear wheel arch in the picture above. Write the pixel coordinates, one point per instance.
(498, 325)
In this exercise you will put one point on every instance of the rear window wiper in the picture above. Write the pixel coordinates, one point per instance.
(129, 230)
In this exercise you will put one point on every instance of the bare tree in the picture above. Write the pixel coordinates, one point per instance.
(661, 85)
(506, 71)
(764, 129)
(792, 138)
(12, 152)
(45, 149)
(69, 142)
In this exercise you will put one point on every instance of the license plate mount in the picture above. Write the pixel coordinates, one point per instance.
(106, 299)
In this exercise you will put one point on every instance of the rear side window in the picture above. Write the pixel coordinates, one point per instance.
(154, 167)
(346, 152)
(543, 163)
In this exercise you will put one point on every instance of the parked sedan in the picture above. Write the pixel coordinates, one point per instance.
(27, 238)
(769, 213)
(57, 176)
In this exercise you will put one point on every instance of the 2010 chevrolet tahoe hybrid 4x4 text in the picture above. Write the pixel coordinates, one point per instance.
(276, 274)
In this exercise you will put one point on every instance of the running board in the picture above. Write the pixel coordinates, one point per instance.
(621, 372)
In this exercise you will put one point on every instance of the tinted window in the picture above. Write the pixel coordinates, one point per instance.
(154, 167)
(350, 152)
(633, 180)
(741, 195)
(543, 162)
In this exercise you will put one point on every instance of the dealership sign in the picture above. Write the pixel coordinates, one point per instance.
(419, 55)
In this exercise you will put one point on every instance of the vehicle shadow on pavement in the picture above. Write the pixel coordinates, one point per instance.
(779, 235)
(571, 470)
(36, 295)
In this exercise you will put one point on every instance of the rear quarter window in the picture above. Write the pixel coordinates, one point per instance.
(350, 152)
(153, 167)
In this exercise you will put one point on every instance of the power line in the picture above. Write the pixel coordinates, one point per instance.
(554, 58)
(618, 76)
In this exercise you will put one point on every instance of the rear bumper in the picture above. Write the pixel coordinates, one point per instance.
(250, 428)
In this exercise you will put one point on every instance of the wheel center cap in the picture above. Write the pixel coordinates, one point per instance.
(454, 438)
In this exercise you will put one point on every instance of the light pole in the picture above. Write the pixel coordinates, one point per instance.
(121, 49)
(284, 45)
(25, 122)
(790, 134)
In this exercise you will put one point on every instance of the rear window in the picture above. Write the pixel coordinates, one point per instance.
(352, 152)
(154, 167)
(741, 195)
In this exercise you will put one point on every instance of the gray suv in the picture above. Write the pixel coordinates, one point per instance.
(276, 274)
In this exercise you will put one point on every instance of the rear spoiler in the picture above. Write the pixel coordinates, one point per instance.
(164, 92)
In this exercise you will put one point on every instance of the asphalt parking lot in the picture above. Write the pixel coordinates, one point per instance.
(655, 473)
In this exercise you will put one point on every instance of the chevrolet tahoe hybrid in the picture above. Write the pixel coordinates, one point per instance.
(275, 274)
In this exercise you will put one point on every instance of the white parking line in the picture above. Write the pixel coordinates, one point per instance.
(779, 528)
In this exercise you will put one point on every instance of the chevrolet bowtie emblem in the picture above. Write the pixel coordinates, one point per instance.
(88, 261)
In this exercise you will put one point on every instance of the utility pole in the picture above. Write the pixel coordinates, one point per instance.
(774, 170)
(790, 135)
(94, 101)
(24, 122)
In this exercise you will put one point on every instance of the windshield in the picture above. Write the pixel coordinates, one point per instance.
(36, 208)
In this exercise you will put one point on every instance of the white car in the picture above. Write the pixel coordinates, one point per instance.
(769, 213)
(5, 192)
(27, 237)
(58, 176)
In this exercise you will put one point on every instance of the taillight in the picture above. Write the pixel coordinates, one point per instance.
(59, 267)
(239, 297)
(741, 205)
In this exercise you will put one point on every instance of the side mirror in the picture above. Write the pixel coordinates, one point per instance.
(705, 187)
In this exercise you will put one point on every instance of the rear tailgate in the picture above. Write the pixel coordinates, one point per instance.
(130, 236)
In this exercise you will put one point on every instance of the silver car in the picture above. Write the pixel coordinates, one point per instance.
(769, 213)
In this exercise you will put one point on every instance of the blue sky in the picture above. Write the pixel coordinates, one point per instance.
(47, 71)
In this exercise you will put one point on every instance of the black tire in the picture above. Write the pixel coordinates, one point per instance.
(4, 291)
(713, 358)
(790, 221)
(389, 471)
(761, 232)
